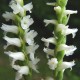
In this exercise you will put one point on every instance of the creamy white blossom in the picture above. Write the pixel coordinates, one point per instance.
(49, 40)
(70, 12)
(49, 78)
(8, 16)
(66, 31)
(52, 63)
(26, 22)
(47, 22)
(67, 49)
(66, 65)
(51, 4)
(17, 8)
(21, 70)
(9, 28)
(12, 41)
(31, 50)
(28, 7)
(33, 64)
(16, 55)
(29, 36)
(49, 52)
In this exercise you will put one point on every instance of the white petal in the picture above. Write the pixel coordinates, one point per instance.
(49, 78)
(10, 28)
(28, 7)
(32, 64)
(12, 41)
(70, 12)
(18, 76)
(68, 49)
(26, 22)
(66, 65)
(16, 55)
(49, 52)
(51, 4)
(65, 30)
(29, 37)
(17, 8)
(24, 70)
(72, 31)
(47, 22)
(8, 16)
(31, 50)
(53, 63)
(49, 40)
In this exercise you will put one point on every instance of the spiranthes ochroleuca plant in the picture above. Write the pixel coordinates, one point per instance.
(61, 30)
(24, 41)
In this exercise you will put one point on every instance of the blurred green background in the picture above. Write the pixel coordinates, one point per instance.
(40, 12)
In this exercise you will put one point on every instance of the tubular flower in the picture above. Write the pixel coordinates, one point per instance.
(24, 40)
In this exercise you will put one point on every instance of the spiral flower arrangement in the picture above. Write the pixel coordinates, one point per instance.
(25, 54)
(61, 30)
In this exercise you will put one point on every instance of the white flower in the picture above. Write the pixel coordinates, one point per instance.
(66, 31)
(29, 37)
(12, 41)
(10, 28)
(31, 50)
(47, 22)
(28, 7)
(57, 9)
(21, 70)
(49, 40)
(16, 55)
(17, 8)
(66, 65)
(32, 64)
(53, 63)
(49, 78)
(49, 52)
(26, 22)
(70, 12)
(51, 4)
(8, 16)
(68, 49)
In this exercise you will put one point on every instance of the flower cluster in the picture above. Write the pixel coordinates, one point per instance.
(59, 40)
(24, 40)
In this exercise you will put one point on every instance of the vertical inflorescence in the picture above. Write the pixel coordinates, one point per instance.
(61, 30)
(22, 58)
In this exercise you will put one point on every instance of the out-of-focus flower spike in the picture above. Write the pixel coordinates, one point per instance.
(51, 4)
(47, 22)
(10, 28)
(70, 12)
